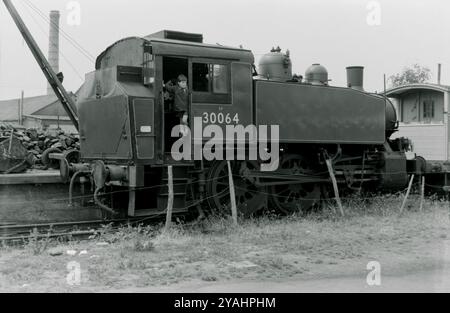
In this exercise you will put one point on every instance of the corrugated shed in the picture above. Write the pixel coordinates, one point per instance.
(53, 109)
(9, 109)
(49, 117)
(47, 105)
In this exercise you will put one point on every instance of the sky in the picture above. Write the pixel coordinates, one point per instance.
(384, 36)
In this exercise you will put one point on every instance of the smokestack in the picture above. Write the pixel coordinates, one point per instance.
(355, 77)
(439, 74)
(53, 45)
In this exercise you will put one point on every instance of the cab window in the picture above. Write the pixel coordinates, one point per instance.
(200, 77)
(211, 82)
(220, 78)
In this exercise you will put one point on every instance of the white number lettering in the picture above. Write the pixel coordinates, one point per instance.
(213, 118)
(205, 118)
(228, 118)
(220, 118)
(236, 119)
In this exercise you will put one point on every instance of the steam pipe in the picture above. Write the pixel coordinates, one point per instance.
(100, 204)
(72, 182)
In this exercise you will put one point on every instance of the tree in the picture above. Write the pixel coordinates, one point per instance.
(415, 74)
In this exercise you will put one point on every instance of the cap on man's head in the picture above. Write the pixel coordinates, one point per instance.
(181, 77)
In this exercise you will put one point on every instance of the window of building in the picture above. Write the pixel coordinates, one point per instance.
(428, 109)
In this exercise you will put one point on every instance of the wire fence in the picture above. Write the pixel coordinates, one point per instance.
(353, 195)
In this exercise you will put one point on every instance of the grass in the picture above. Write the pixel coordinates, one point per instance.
(318, 244)
(37, 245)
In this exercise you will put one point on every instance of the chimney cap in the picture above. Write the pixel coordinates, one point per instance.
(355, 77)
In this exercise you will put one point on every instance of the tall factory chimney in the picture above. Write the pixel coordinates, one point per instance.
(53, 45)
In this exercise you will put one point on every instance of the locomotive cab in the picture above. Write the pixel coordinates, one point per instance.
(124, 100)
(219, 82)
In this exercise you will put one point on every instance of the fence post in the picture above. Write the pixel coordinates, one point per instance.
(170, 199)
(407, 194)
(335, 186)
(232, 194)
(422, 194)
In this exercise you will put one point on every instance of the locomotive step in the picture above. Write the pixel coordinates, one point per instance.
(153, 212)
(175, 194)
(175, 179)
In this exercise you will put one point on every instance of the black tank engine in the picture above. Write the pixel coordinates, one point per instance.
(124, 100)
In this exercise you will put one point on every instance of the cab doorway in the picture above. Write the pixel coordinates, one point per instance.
(172, 68)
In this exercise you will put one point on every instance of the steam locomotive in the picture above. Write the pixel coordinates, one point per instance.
(125, 123)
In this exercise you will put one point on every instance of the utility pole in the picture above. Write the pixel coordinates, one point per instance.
(21, 109)
(439, 74)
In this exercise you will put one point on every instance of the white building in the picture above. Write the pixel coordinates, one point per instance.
(422, 110)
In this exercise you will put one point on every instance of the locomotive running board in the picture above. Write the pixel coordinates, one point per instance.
(263, 179)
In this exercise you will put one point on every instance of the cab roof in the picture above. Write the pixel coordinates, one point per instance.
(174, 47)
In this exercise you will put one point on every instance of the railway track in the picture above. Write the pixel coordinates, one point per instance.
(79, 230)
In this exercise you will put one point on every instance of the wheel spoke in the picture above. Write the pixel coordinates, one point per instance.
(291, 198)
(248, 197)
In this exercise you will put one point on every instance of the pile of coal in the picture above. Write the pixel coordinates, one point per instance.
(38, 145)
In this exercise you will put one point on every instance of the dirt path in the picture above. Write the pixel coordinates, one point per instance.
(414, 275)
(429, 281)
(429, 274)
(434, 280)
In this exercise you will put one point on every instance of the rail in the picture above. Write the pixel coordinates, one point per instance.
(81, 230)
